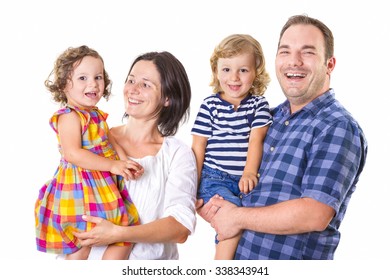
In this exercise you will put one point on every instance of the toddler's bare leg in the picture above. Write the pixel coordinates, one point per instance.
(226, 249)
(81, 254)
(114, 252)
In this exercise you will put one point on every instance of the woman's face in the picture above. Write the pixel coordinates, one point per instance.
(142, 91)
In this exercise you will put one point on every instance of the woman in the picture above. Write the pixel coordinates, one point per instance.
(157, 96)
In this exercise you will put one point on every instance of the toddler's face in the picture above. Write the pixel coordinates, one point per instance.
(86, 86)
(236, 75)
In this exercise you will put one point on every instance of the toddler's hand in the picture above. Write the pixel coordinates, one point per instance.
(129, 169)
(248, 182)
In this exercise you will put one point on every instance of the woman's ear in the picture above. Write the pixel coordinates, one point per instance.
(167, 102)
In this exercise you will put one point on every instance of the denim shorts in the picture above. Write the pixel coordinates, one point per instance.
(214, 182)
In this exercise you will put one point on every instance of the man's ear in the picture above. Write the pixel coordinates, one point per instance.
(331, 64)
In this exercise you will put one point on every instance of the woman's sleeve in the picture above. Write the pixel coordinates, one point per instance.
(180, 193)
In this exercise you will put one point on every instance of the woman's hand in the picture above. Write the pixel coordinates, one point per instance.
(104, 232)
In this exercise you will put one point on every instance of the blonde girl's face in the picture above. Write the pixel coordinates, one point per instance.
(142, 91)
(236, 75)
(86, 85)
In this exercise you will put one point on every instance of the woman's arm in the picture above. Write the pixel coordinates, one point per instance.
(178, 217)
(165, 230)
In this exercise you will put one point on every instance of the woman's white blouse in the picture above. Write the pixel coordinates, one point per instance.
(167, 188)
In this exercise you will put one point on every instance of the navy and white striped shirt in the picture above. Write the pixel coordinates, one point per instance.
(228, 130)
(317, 152)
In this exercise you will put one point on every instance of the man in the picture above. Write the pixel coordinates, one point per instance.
(313, 155)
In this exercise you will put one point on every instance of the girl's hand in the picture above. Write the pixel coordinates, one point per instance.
(129, 169)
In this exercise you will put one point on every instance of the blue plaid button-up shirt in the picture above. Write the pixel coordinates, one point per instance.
(317, 152)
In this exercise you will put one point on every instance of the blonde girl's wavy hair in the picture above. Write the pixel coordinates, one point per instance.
(63, 69)
(237, 44)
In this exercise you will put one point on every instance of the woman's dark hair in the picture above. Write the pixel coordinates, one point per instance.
(175, 87)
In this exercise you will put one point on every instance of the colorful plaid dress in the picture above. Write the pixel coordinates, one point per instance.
(74, 191)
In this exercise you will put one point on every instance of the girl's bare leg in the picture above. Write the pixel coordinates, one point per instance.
(114, 252)
(81, 254)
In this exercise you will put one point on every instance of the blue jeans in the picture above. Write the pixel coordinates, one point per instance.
(214, 182)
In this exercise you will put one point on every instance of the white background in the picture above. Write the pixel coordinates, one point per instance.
(34, 33)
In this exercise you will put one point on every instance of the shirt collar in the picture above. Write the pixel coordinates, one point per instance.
(314, 106)
(218, 94)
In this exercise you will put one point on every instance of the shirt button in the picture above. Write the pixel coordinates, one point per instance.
(286, 123)
(240, 196)
(272, 149)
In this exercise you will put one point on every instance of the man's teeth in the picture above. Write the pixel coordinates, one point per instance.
(295, 75)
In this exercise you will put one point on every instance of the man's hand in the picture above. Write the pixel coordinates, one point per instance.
(208, 210)
(227, 221)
